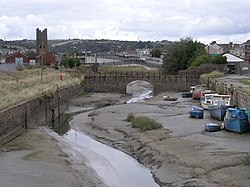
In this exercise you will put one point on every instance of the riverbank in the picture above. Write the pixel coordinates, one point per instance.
(35, 158)
(180, 154)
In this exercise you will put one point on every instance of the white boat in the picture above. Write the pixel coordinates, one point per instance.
(207, 99)
(222, 100)
(215, 99)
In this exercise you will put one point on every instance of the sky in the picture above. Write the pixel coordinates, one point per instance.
(222, 21)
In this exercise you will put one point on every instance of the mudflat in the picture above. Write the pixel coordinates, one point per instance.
(182, 153)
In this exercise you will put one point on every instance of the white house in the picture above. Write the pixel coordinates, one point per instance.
(236, 64)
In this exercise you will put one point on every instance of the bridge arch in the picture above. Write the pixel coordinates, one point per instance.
(139, 87)
(117, 81)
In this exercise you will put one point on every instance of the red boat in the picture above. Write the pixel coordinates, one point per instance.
(199, 91)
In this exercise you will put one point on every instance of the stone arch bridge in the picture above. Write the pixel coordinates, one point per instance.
(117, 81)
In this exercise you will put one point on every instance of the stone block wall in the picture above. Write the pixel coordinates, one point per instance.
(117, 81)
(238, 98)
(39, 111)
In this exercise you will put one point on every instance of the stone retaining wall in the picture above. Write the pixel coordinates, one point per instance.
(239, 99)
(39, 111)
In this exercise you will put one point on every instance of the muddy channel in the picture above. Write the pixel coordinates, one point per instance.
(182, 153)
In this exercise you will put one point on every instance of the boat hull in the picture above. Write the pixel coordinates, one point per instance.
(186, 94)
(205, 105)
(196, 112)
(217, 112)
(237, 125)
(212, 127)
(196, 95)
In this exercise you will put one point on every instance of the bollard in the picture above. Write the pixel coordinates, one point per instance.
(61, 76)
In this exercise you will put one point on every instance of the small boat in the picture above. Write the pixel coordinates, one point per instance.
(237, 125)
(212, 127)
(196, 112)
(168, 98)
(199, 91)
(222, 100)
(207, 99)
(219, 106)
(186, 94)
(236, 120)
(218, 111)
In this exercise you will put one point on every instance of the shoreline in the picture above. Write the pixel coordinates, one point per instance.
(179, 154)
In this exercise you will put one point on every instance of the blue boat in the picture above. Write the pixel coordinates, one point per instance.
(236, 120)
(212, 127)
(218, 111)
(196, 112)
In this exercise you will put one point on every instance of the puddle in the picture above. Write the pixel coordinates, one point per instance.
(114, 167)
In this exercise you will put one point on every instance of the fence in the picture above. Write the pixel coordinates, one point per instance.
(8, 67)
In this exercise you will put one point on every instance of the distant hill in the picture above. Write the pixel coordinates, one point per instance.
(78, 45)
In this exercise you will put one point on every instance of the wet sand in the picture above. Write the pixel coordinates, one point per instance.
(182, 153)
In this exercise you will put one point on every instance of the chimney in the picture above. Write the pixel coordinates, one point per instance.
(230, 45)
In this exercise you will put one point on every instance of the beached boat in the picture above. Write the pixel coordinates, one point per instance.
(215, 99)
(186, 94)
(218, 111)
(206, 100)
(219, 106)
(196, 112)
(236, 120)
(168, 98)
(237, 125)
(199, 91)
(222, 100)
(212, 127)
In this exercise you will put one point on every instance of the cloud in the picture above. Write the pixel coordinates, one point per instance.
(126, 19)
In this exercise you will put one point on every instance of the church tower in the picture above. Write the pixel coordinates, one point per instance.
(41, 41)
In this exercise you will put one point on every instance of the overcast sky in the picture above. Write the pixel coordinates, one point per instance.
(203, 20)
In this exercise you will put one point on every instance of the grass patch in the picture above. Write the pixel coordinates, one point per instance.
(85, 94)
(130, 117)
(245, 81)
(33, 156)
(247, 161)
(213, 74)
(122, 68)
(19, 86)
(143, 123)
(245, 90)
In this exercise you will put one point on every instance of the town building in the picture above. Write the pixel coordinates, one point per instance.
(236, 64)
(17, 58)
(246, 50)
(214, 49)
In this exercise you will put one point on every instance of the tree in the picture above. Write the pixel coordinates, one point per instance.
(201, 59)
(219, 60)
(181, 54)
(205, 59)
(70, 62)
(156, 52)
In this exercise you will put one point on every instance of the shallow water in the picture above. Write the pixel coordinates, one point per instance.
(114, 167)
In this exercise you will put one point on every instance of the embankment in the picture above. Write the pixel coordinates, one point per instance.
(239, 98)
(38, 111)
